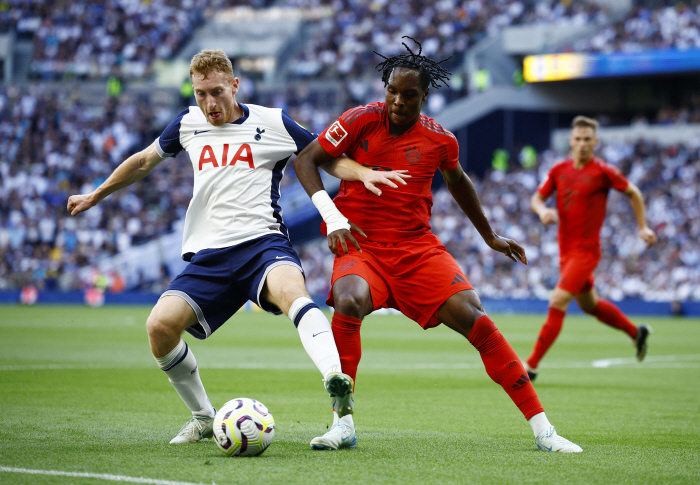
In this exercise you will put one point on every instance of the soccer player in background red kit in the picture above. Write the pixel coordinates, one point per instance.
(582, 183)
(402, 264)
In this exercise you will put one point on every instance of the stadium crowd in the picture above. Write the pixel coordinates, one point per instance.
(90, 39)
(666, 27)
(342, 45)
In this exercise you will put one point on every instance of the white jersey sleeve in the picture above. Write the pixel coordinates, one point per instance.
(238, 168)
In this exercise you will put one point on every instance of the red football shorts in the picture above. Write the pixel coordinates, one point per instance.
(577, 272)
(415, 277)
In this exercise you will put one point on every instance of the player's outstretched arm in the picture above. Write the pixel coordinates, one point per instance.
(134, 168)
(637, 203)
(337, 225)
(463, 191)
(348, 169)
(546, 214)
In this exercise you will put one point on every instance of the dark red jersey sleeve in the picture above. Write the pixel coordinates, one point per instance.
(338, 138)
(547, 186)
(617, 181)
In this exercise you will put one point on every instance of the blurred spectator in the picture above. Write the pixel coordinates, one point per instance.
(666, 27)
(95, 38)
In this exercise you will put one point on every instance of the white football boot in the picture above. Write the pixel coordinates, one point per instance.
(549, 440)
(197, 428)
(339, 387)
(341, 435)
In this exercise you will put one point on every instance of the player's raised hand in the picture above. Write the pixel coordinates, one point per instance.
(549, 216)
(338, 238)
(372, 178)
(648, 235)
(79, 203)
(508, 247)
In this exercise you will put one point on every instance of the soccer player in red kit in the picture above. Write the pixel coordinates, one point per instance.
(582, 183)
(401, 263)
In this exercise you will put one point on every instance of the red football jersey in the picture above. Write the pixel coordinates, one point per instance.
(362, 133)
(581, 199)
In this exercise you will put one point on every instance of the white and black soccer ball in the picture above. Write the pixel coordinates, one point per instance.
(243, 427)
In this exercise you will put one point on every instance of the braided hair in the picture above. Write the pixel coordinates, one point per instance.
(431, 73)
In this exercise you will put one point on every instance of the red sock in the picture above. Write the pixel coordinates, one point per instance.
(346, 331)
(548, 334)
(610, 314)
(504, 367)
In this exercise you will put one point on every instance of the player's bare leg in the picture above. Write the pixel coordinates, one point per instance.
(558, 303)
(464, 313)
(168, 319)
(352, 302)
(610, 314)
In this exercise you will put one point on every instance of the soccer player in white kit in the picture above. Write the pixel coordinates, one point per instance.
(234, 238)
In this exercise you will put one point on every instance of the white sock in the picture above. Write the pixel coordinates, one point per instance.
(539, 423)
(316, 335)
(346, 419)
(181, 368)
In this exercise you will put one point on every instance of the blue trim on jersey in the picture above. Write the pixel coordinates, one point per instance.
(275, 194)
(246, 114)
(299, 134)
(302, 312)
(169, 140)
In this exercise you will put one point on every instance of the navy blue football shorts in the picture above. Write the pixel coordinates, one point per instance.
(218, 282)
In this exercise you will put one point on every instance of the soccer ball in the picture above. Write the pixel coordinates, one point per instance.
(243, 427)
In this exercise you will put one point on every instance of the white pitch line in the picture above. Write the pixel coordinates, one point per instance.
(687, 361)
(655, 359)
(99, 476)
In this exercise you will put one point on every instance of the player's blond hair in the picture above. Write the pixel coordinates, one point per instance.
(585, 122)
(209, 61)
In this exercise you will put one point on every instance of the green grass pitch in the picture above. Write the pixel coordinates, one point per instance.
(81, 394)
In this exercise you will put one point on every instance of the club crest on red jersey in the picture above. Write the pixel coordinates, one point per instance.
(336, 133)
(413, 154)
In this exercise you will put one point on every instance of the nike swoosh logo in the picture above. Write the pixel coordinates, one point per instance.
(319, 333)
(343, 440)
(195, 370)
(281, 257)
(200, 132)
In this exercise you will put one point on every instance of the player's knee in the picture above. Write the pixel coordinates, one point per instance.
(560, 300)
(350, 304)
(158, 328)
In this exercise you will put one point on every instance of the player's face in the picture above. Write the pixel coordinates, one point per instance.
(404, 97)
(216, 96)
(583, 141)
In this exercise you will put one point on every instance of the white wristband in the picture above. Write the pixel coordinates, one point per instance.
(331, 215)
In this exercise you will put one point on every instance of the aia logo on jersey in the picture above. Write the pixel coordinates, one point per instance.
(413, 154)
(244, 154)
(347, 265)
(336, 133)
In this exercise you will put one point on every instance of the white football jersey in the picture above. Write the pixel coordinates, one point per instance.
(237, 172)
